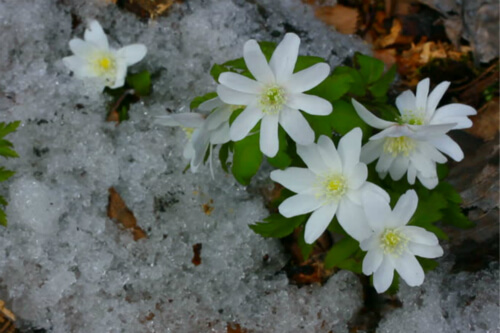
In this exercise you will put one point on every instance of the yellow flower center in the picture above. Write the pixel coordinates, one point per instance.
(105, 63)
(393, 242)
(401, 145)
(272, 99)
(104, 66)
(411, 117)
(188, 130)
(332, 187)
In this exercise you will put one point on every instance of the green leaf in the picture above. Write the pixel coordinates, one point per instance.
(200, 99)
(344, 118)
(5, 174)
(352, 265)
(449, 192)
(223, 156)
(123, 112)
(237, 64)
(427, 264)
(216, 70)
(381, 86)
(7, 152)
(371, 69)
(6, 128)
(3, 218)
(394, 287)
(277, 226)
(304, 62)
(282, 158)
(320, 124)
(268, 49)
(140, 82)
(3, 202)
(247, 158)
(357, 85)
(341, 251)
(454, 216)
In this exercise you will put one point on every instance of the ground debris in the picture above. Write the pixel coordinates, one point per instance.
(146, 8)
(118, 210)
(196, 254)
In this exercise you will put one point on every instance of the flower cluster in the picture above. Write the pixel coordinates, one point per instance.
(276, 108)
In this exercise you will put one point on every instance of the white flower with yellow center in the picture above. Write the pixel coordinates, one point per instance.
(415, 142)
(276, 96)
(202, 131)
(332, 184)
(93, 58)
(394, 244)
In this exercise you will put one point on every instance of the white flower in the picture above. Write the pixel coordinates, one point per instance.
(276, 96)
(415, 142)
(202, 131)
(93, 58)
(394, 245)
(332, 185)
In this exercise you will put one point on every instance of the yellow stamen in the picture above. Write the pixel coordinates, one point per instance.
(399, 146)
(393, 242)
(272, 99)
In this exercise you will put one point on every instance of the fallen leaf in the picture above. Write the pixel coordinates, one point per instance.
(7, 319)
(196, 254)
(208, 208)
(235, 328)
(486, 123)
(146, 8)
(118, 210)
(344, 19)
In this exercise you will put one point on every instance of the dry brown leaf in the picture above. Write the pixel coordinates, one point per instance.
(208, 208)
(486, 123)
(7, 319)
(147, 8)
(118, 210)
(196, 254)
(235, 328)
(344, 19)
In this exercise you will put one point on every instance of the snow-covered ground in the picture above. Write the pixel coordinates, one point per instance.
(66, 267)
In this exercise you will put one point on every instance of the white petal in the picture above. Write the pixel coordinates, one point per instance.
(353, 220)
(312, 158)
(318, 222)
(269, 142)
(240, 83)
(376, 190)
(355, 195)
(220, 135)
(329, 153)
(284, 57)
(454, 113)
(187, 119)
(371, 242)
(405, 208)
(420, 235)
(428, 182)
(372, 261)
(449, 147)
(78, 66)
(372, 150)
(256, 63)
(200, 141)
(431, 151)
(296, 126)
(121, 73)
(435, 97)
(299, 204)
(349, 148)
(211, 104)
(409, 269)
(428, 132)
(308, 103)
(245, 121)
(422, 93)
(384, 163)
(132, 54)
(399, 167)
(376, 209)
(298, 180)
(406, 101)
(423, 164)
(357, 176)
(395, 131)
(382, 278)
(412, 174)
(218, 117)
(81, 48)
(425, 251)
(96, 35)
(230, 96)
(369, 117)
(308, 78)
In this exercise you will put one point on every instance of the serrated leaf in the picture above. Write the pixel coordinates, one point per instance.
(3, 202)
(7, 152)
(216, 70)
(200, 99)
(6, 143)
(371, 69)
(5, 174)
(449, 192)
(238, 64)
(340, 252)
(247, 158)
(277, 226)
(357, 86)
(6, 128)
(454, 216)
(381, 86)
(352, 265)
(3, 217)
